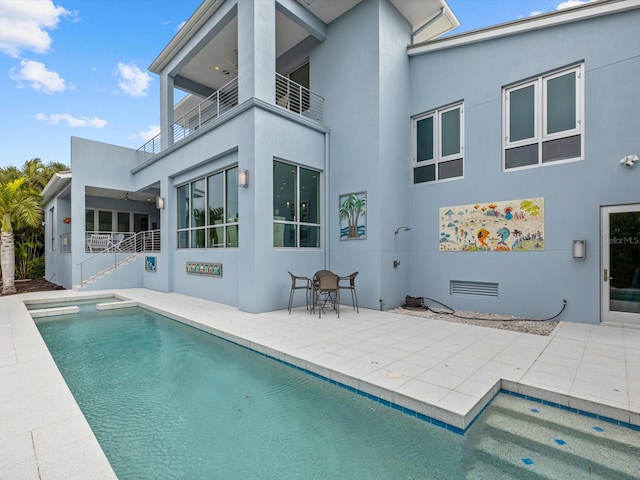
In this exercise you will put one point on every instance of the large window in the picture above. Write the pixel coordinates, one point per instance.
(296, 206)
(543, 119)
(208, 211)
(115, 221)
(438, 145)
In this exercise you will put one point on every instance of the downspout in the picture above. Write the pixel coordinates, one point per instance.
(327, 198)
(426, 24)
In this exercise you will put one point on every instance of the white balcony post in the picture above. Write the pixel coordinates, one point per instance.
(166, 111)
(256, 50)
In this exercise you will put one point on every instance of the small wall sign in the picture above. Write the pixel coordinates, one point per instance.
(208, 269)
(150, 264)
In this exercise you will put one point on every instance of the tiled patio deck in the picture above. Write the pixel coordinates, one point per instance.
(447, 371)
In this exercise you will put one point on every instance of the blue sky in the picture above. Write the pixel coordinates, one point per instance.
(79, 67)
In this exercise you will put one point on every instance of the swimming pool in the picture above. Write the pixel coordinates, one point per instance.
(168, 401)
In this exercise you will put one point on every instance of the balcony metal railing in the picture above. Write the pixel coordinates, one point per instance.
(299, 99)
(218, 103)
(289, 94)
(117, 252)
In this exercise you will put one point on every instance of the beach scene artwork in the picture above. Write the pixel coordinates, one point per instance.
(514, 225)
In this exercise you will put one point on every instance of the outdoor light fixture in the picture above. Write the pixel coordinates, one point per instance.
(404, 229)
(579, 249)
(159, 203)
(628, 160)
(243, 178)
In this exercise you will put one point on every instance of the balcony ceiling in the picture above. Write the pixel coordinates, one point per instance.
(216, 62)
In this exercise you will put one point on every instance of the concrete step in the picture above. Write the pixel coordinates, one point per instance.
(547, 442)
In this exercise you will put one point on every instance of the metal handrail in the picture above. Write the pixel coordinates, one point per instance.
(217, 104)
(299, 99)
(289, 94)
(117, 254)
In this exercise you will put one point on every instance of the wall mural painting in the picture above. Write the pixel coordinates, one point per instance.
(208, 269)
(515, 225)
(353, 216)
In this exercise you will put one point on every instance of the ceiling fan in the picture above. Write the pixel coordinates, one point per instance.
(234, 66)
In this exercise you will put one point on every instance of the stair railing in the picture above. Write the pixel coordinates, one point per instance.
(117, 254)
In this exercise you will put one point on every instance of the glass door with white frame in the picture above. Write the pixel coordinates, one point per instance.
(621, 264)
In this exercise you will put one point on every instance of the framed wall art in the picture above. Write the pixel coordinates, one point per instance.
(353, 216)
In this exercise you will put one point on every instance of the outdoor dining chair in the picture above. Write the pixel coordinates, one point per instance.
(299, 283)
(326, 291)
(351, 285)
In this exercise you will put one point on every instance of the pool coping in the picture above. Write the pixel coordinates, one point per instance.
(408, 405)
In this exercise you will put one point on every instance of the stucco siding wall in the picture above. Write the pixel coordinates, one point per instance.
(531, 283)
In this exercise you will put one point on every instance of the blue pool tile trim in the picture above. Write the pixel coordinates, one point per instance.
(584, 413)
(420, 416)
(527, 461)
(362, 393)
(408, 411)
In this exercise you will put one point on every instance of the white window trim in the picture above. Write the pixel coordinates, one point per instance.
(437, 155)
(540, 118)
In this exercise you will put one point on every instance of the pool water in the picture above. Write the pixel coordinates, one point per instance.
(168, 401)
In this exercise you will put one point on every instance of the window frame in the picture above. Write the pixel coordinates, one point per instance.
(438, 158)
(228, 223)
(280, 224)
(540, 117)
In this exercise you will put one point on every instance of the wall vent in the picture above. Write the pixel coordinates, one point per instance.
(476, 289)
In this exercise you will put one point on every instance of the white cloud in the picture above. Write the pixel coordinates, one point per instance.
(148, 134)
(571, 3)
(563, 5)
(56, 118)
(133, 81)
(24, 25)
(38, 77)
(180, 25)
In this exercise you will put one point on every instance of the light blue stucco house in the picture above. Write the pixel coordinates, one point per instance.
(494, 170)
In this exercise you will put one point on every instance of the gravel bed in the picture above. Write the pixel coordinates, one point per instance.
(502, 322)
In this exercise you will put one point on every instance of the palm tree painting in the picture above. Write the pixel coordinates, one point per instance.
(353, 219)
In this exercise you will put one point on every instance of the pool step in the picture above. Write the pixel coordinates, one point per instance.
(546, 442)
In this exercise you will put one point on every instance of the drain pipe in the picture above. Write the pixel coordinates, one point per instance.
(427, 23)
(327, 198)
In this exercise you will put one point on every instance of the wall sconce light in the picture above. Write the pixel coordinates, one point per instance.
(404, 229)
(243, 178)
(159, 203)
(579, 249)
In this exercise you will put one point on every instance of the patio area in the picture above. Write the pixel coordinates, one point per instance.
(443, 370)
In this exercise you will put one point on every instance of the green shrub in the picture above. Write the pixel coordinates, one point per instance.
(36, 267)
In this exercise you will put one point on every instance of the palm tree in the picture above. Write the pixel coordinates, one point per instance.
(351, 209)
(19, 206)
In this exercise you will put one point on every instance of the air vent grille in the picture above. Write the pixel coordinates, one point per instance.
(476, 289)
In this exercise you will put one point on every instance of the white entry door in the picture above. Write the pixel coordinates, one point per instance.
(621, 264)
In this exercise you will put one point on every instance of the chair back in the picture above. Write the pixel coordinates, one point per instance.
(352, 279)
(321, 273)
(98, 242)
(328, 282)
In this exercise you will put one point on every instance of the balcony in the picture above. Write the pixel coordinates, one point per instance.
(289, 95)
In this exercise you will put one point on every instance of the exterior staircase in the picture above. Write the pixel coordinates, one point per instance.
(117, 256)
(114, 265)
(518, 438)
